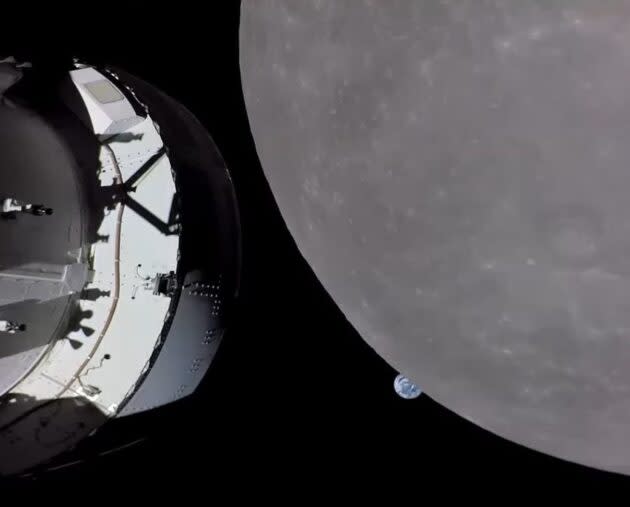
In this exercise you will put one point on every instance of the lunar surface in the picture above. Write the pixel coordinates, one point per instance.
(457, 173)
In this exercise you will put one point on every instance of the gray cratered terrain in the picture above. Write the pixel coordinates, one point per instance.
(457, 173)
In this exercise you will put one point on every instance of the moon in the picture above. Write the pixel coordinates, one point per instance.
(457, 175)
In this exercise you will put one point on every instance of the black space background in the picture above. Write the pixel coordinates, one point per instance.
(295, 397)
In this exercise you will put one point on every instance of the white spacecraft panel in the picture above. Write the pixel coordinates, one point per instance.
(40, 282)
(110, 112)
(109, 356)
(106, 372)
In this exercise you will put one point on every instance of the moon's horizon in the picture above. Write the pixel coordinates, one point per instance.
(456, 174)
